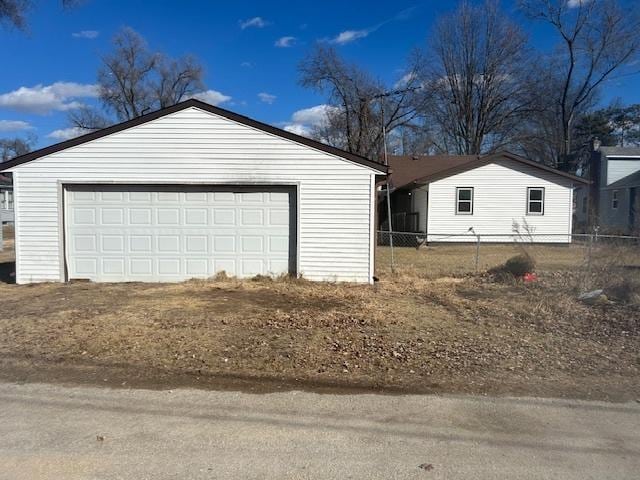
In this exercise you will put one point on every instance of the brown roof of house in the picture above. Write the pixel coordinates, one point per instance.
(407, 170)
(203, 106)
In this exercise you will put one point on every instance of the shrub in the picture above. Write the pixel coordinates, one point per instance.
(520, 264)
(626, 291)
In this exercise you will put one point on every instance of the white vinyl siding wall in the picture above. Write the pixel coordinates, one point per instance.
(499, 200)
(335, 205)
(618, 168)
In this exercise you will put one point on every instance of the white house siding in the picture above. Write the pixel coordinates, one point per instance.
(335, 205)
(500, 200)
(618, 168)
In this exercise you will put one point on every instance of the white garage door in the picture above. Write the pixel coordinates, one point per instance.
(156, 233)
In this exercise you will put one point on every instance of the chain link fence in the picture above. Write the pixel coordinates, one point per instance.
(592, 256)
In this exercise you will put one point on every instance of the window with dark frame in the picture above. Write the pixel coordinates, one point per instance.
(614, 200)
(535, 201)
(584, 204)
(464, 201)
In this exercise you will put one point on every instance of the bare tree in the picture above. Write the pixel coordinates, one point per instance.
(362, 104)
(597, 38)
(125, 79)
(134, 80)
(87, 118)
(14, 147)
(13, 12)
(477, 69)
(177, 79)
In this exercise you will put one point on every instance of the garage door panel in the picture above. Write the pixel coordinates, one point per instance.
(112, 243)
(83, 216)
(141, 267)
(140, 216)
(129, 233)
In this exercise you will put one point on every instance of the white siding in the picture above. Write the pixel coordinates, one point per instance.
(499, 200)
(618, 168)
(194, 146)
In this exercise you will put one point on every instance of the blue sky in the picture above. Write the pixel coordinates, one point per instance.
(250, 51)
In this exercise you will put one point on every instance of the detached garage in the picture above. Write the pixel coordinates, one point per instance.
(190, 191)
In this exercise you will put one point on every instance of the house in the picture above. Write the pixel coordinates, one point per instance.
(500, 197)
(612, 203)
(6, 200)
(190, 191)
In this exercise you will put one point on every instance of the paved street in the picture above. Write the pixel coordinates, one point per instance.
(54, 432)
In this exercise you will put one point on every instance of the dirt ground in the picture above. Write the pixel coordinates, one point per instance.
(407, 333)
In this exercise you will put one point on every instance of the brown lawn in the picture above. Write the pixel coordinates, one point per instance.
(426, 328)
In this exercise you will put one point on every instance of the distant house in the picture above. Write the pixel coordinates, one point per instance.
(6, 200)
(612, 203)
(499, 197)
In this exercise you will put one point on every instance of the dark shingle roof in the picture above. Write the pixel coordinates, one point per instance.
(409, 170)
(406, 169)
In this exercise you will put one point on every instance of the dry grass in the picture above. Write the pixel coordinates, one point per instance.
(407, 332)
(451, 260)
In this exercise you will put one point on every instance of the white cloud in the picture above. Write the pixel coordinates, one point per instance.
(301, 130)
(14, 126)
(67, 133)
(267, 98)
(284, 42)
(88, 34)
(576, 3)
(406, 79)
(255, 22)
(246, 64)
(212, 97)
(349, 36)
(43, 99)
(303, 121)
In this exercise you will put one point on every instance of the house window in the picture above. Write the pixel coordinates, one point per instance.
(535, 201)
(584, 204)
(6, 200)
(614, 199)
(464, 201)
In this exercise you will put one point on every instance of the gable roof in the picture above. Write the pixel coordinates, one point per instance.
(409, 170)
(203, 106)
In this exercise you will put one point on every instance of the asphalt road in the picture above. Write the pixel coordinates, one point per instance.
(55, 432)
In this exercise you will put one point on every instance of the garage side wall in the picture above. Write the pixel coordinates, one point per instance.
(196, 147)
(499, 202)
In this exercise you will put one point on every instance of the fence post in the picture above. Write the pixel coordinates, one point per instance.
(393, 259)
(477, 253)
(589, 248)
